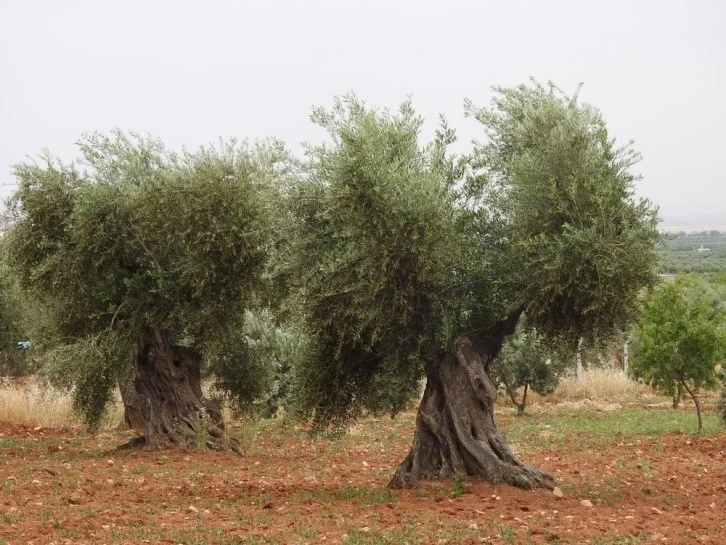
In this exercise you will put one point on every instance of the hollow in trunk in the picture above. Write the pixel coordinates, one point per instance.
(169, 404)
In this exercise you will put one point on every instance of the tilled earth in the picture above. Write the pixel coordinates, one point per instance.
(62, 486)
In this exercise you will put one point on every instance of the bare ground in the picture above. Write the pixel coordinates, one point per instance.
(62, 486)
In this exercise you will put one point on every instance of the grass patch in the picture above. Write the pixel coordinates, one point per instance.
(402, 536)
(547, 430)
(363, 494)
(630, 539)
(460, 486)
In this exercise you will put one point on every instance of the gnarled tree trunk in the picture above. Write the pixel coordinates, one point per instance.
(456, 431)
(169, 403)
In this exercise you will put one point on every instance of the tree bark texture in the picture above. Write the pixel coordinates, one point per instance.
(696, 402)
(169, 402)
(523, 405)
(456, 432)
(134, 404)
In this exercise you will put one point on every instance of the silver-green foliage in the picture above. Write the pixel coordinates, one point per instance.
(91, 367)
(377, 235)
(405, 245)
(13, 322)
(579, 241)
(252, 365)
(527, 362)
(135, 239)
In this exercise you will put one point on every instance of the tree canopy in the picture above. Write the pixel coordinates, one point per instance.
(680, 340)
(137, 243)
(13, 323)
(406, 245)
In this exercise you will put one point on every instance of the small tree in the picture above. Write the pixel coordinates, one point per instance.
(146, 258)
(526, 363)
(679, 342)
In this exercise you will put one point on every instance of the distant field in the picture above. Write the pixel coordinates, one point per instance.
(680, 252)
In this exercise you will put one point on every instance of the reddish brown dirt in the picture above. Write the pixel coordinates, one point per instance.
(66, 487)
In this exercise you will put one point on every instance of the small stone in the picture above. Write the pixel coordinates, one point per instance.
(656, 510)
(586, 503)
(110, 463)
(75, 499)
(192, 509)
(557, 491)
(473, 526)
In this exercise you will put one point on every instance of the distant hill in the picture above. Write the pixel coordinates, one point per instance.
(694, 224)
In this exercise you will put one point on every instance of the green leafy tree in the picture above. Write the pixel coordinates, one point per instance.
(680, 342)
(526, 362)
(146, 258)
(414, 262)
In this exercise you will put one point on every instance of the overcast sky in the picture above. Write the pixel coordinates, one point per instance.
(190, 72)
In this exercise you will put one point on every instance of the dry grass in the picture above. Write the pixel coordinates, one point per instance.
(603, 387)
(39, 405)
(34, 404)
(600, 385)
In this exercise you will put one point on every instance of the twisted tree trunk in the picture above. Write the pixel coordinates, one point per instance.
(456, 431)
(169, 404)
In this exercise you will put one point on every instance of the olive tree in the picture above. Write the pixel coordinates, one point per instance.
(526, 362)
(413, 262)
(13, 323)
(146, 259)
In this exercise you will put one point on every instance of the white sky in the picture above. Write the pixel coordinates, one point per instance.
(190, 72)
